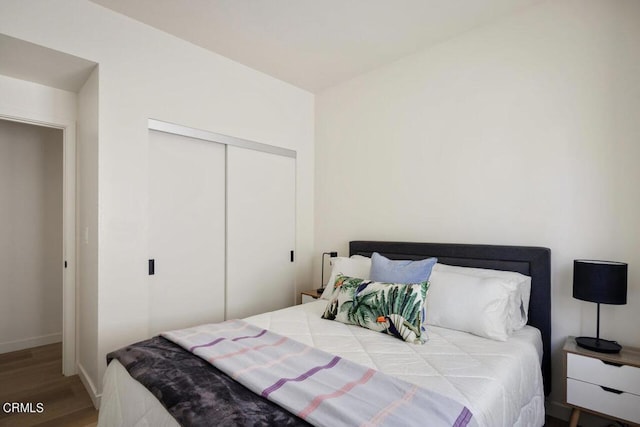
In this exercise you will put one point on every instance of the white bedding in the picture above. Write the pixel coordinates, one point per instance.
(500, 382)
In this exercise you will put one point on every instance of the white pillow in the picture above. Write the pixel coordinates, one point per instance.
(521, 284)
(478, 305)
(356, 266)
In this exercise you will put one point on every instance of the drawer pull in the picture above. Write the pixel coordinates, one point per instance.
(617, 365)
(611, 390)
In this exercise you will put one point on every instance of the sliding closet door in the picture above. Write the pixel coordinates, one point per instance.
(186, 231)
(260, 232)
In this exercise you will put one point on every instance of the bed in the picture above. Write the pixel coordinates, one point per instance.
(502, 383)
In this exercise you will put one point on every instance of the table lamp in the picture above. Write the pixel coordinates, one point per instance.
(602, 282)
(332, 255)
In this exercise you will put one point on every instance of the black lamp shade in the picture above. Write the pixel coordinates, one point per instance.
(604, 282)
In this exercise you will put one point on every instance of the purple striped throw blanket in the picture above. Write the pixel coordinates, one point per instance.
(319, 387)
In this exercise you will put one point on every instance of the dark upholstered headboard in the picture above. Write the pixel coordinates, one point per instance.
(532, 261)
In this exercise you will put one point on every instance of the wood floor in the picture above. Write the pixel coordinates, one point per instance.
(35, 376)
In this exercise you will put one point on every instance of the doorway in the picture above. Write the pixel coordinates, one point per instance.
(36, 226)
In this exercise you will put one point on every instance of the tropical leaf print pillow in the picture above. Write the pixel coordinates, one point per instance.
(393, 308)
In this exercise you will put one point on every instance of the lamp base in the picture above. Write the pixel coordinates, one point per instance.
(320, 290)
(599, 345)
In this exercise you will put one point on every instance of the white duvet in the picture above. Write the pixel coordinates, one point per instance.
(500, 382)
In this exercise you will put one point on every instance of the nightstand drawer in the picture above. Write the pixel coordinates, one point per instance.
(625, 405)
(625, 378)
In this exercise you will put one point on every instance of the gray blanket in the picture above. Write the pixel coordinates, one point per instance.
(194, 392)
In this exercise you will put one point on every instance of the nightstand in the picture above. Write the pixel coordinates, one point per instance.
(310, 296)
(603, 384)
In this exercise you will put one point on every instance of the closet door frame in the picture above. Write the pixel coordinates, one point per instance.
(176, 129)
(159, 125)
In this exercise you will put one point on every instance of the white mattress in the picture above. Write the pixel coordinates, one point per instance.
(500, 382)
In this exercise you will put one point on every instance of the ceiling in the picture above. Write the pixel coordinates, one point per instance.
(315, 44)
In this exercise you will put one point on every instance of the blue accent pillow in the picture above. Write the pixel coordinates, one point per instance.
(389, 271)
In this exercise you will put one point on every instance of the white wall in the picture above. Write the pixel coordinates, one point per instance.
(145, 73)
(524, 132)
(87, 231)
(30, 235)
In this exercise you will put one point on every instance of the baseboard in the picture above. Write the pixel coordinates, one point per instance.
(7, 347)
(89, 386)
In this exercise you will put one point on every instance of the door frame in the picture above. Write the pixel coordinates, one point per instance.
(68, 127)
(205, 135)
